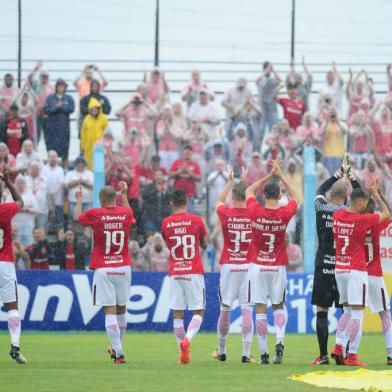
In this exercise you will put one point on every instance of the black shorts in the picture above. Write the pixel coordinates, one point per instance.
(325, 291)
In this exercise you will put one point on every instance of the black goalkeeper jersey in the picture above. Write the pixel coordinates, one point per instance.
(326, 245)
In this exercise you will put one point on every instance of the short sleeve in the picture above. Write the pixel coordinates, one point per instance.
(87, 218)
(174, 166)
(370, 220)
(383, 225)
(131, 217)
(197, 169)
(291, 208)
(281, 101)
(253, 205)
(9, 210)
(221, 210)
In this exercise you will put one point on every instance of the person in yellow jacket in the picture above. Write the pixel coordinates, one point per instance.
(93, 127)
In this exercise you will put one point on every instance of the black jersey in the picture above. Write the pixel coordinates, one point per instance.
(326, 245)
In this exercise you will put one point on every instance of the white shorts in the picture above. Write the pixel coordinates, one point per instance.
(112, 286)
(233, 284)
(266, 282)
(352, 286)
(187, 292)
(8, 284)
(378, 294)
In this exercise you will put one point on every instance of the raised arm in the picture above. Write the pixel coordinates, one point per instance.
(124, 194)
(79, 201)
(227, 188)
(373, 190)
(16, 197)
(102, 78)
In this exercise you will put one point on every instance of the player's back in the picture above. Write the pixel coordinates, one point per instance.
(111, 228)
(183, 233)
(372, 244)
(349, 230)
(237, 234)
(268, 232)
(7, 212)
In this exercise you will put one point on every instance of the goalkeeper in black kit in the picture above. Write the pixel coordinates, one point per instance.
(325, 292)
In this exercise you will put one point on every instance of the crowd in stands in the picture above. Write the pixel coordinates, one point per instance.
(185, 144)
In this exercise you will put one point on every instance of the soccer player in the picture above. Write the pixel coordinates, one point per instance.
(378, 293)
(267, 276)
(110, 261)
(8, 284)
(237, 234)
(325, 292)
(349, 228)
(184, 234)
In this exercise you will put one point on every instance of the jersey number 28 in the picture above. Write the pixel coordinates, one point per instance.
(188, 243)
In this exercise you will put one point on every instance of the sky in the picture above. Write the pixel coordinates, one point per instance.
(72, 33)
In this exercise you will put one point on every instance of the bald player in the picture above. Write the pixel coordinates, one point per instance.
(325, 292)
(110, 261)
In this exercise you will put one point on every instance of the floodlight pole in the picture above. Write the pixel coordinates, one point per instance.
(19, 43)
(293, 31)
(156, 56)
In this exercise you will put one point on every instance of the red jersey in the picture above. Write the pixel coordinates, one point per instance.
(7, 212)
(237, 234)
(149, 174)
(269, 228)
(183, 233)
(185, 182)
(349, 231)
(292, 111)
(111, 227)
(372, 245)
(70, 258)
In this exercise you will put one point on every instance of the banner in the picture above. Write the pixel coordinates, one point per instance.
(62, 301)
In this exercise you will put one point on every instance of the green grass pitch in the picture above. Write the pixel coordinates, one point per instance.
(68, 362)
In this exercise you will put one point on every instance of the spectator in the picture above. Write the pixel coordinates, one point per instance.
(24, 221)
(309, 134)
(294, 175)
(138, 260)
(214, 151)
(70, 254)
(382, 129)
(324, 108)
(203, 115)
(156, 203)
(190, 92)
(7, 159)
(357, 90)
(93, 127)
(39, 252)
(293, 107)
(254, 170)
(294, 254)
(361, 139)
(42, 89)
(216, 181)
(58, 108)
(13, 131)
(155, 85)
(186, 173)
(27, 156)
(134, 115)
(54, 175)
(94, 93)
(333, 132)
(85, 79)
(369, 172)
(169, 138)
(304, 86)
(80, 176)
(241, 145)
(179, 119)
(21, 257)
(8, 93)
(274, 150)
(27, 110)
(267, 83)
(287, 137)
(333, 88)
(148, 172)
(158, 254)
(234, 99)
